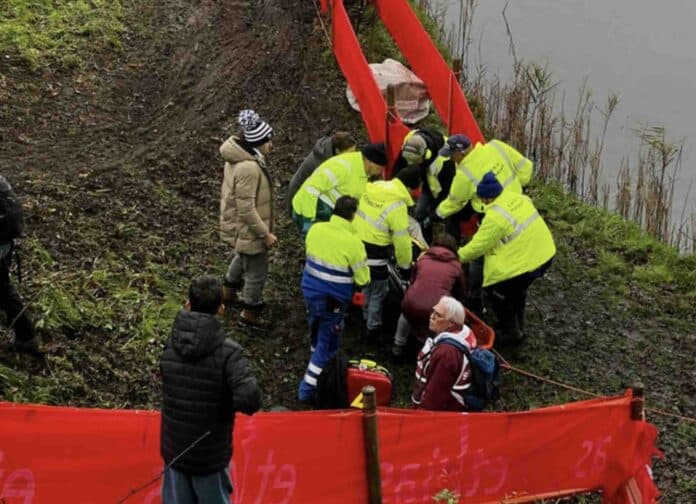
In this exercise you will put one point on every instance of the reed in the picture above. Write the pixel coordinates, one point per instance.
(528, 112)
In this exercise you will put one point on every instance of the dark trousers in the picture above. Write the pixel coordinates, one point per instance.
(182, 488)
(10, 302)
(508, 300)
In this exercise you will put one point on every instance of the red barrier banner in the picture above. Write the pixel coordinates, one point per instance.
(427, 62)
(57, 455)
(357, 72)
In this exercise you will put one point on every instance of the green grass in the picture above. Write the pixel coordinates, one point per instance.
(59, 30)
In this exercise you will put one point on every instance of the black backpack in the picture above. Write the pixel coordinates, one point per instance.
(331, 384)
(11, 213)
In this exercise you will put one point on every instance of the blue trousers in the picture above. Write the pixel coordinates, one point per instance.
(325, 317)
(182, 488)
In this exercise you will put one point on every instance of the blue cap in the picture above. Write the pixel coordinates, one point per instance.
(489, 187)
(455, 143)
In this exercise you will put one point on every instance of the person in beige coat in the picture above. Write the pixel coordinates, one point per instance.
(246, 214)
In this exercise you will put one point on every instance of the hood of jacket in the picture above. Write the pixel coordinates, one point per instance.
(233, 153)
(388, 191)
(441, 254)
(196, 334)
(323, 149)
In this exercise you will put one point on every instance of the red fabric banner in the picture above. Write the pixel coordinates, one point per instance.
(57, 455)
(427, 62)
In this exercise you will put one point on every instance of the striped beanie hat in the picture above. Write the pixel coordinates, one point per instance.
(256, 132)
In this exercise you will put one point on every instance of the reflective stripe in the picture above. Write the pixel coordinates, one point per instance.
(400, 233)
(325, 198)
(502, 152)
(509, 180)
(375, 223)
(335, 194)
(469, 175)
(519, 228)
(326, 264)
(461, 387)
(331, 176)
(379, 223)
(520, 164)
(314, 369)
(377, 262)
(313, 191)
(359, 265)
(327, 276)
(310, 380)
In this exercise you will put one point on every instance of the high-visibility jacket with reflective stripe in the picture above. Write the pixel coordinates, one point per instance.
(382, 218)
(433, 167)
(511, 168)
(513, 237)
(341, 175)
(336, 259)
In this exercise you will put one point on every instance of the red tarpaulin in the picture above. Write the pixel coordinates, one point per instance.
(58, 455)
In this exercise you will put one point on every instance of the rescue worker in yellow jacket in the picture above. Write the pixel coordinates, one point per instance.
(336, 264)
(382, 224)
(421, 147)
(512, 170)
(518, 248)
(342, 175)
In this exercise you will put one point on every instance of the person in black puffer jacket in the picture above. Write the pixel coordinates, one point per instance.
(206, 379)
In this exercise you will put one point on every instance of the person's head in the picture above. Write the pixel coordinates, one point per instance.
(205, 295)
(447, 316)
(345, 207)
(375, 158)
(342, 141)
(410, 177)
(489, 188)
(445, 240)
(457, 147)
(414, 150)
(255, 132)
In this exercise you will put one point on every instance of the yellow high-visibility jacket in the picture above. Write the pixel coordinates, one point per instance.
(341, 175)
(513, 238)
(511, 168)
(382, 218)
(336, 258)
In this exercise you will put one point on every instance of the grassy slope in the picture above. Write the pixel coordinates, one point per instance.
(616, 307)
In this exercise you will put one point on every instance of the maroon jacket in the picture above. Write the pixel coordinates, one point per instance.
(437, 273)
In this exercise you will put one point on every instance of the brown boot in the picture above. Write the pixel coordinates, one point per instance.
(251, 315)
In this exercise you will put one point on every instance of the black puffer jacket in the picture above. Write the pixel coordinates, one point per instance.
(205, 380)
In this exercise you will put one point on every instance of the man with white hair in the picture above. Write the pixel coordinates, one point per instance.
(443, 372)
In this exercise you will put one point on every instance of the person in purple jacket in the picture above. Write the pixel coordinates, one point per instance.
(437, 273)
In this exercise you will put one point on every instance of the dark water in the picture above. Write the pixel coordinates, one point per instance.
(644, 51)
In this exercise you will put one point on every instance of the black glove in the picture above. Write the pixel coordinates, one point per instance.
(405, 274)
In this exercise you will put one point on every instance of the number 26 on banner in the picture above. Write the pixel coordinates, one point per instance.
(594, 457)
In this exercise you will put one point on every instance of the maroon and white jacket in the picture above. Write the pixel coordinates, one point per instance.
(443, 372)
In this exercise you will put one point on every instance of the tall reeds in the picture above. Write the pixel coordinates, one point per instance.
(527, 112)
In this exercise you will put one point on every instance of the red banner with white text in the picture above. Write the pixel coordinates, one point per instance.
(50, 454)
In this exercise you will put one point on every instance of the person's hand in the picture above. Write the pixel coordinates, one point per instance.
(270, 240)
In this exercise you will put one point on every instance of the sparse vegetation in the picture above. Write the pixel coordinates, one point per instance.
(61, 30)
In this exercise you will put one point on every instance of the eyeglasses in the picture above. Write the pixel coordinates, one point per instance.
(437, 314)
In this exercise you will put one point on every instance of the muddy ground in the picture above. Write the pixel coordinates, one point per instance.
(118, 167)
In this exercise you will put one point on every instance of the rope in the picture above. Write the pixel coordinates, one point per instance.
(506, 365)
(321, 21)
